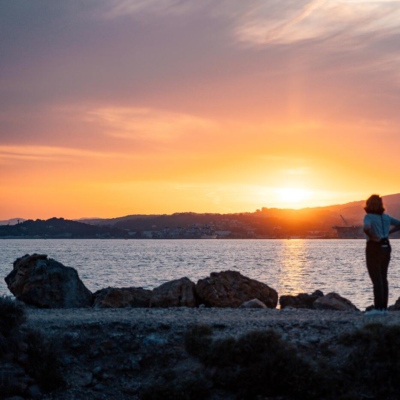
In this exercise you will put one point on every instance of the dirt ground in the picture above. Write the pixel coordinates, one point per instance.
(115, 353)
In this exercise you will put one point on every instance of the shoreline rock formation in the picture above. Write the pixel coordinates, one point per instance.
(318, 301)
(39, 281)
(121, 297)
(232, 289)
(43, 282)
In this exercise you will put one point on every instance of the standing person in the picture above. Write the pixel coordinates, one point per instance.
(377, 228)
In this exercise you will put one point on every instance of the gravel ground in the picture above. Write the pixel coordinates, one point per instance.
(297, 324)
(116, 353)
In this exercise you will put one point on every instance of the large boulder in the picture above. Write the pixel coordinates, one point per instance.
(121, 297)
(302, 300)
(333, 301)
(46, 283)
(176, 293)
(232, 289)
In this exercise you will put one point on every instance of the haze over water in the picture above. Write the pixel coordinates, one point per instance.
(289, 266)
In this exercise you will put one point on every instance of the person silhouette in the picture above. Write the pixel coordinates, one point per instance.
(378, 250)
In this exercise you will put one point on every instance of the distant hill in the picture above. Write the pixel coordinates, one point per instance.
(58, 228)
(316, 217)
(315, 222)
(12, 221)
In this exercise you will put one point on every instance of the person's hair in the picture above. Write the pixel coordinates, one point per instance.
(374, 205)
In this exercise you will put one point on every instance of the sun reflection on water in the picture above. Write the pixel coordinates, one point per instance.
(293, 271)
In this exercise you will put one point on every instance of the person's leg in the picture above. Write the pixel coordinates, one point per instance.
(385, 260)
(373, 257)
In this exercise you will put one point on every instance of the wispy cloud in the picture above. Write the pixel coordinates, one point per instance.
(148, 124)
(316, 19)
(47, 153)
(123, 8)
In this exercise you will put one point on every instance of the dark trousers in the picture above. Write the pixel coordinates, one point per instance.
(378, 258)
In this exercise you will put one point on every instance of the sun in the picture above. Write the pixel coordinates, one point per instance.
(293, 196)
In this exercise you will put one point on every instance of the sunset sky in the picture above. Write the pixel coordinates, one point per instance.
(116, 107)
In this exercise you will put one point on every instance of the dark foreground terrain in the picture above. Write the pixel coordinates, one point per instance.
(202, 353)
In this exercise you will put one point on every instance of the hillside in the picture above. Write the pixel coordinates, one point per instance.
(12, 221)
(58, 228)
(265, 223)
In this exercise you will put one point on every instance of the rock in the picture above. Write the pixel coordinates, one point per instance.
(231, 289)
(254, 303)
(46, 283)
(177, 293)
(394, 307)
(333, 301)
(302, 300)
(121, 297)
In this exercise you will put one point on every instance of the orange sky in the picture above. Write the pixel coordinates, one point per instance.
(118, 107)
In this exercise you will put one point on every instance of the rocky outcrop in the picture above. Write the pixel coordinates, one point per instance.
(333, 301)
(46, 283)
(394, 307)
(176, 293)
(302, 300)
(231, 289)
(121, 297)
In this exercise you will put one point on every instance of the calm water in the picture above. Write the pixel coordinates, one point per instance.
(289, 266)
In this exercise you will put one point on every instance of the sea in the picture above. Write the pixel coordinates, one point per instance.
(290, 266)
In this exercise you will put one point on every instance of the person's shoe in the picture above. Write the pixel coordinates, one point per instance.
(375, 313)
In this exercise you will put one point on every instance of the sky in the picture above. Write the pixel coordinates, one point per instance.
(117, 107)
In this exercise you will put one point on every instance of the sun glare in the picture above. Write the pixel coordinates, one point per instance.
(293, 196)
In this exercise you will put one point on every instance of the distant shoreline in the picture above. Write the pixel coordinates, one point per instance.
(165, 239)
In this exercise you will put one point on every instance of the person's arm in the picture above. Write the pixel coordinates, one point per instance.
(370, 235)
(396, 225)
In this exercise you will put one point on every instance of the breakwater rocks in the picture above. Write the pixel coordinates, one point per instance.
(42, 282)
(39, 281)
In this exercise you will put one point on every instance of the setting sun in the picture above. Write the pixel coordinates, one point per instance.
(293, 196)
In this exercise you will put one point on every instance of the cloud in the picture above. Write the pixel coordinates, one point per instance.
(123, 8)
(316, 19)
(147, 124)
(48, 153)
